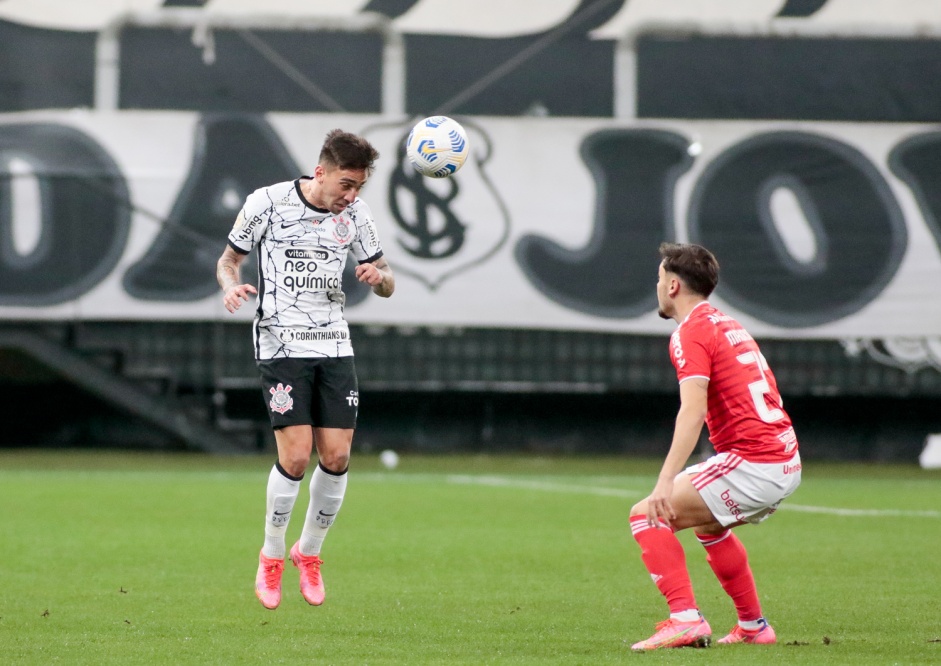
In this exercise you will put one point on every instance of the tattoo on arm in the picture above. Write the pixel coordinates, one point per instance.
(387, 286)
(227, 269)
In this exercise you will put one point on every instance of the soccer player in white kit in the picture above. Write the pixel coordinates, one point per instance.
(725, 383)
(304, 231)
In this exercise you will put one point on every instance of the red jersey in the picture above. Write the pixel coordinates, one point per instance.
(745, 413)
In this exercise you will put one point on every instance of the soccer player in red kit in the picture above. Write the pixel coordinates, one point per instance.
(725, 383)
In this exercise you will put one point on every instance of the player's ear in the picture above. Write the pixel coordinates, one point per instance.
(674, 287)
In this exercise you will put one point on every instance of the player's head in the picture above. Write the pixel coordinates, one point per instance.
(346, 162)
(344, 150)
(696, 273)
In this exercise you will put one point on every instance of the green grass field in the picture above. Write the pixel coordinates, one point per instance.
(117, 558)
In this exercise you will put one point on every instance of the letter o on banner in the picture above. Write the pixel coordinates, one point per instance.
(859, 231)
(84, 214)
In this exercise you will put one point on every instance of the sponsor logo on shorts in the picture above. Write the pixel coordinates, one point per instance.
(791, 469)
(281, 401)
(353, 399)
(733, 506)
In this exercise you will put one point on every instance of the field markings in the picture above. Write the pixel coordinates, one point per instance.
(879, 513)
(549, 486)
(505, 482)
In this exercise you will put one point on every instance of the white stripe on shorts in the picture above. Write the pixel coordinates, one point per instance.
(714, 471)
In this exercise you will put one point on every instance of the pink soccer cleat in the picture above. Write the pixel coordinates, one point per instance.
(311, 581)
(268, 581)
(763, 636)
(673, 633)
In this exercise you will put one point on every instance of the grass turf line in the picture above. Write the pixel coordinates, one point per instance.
(140, 559)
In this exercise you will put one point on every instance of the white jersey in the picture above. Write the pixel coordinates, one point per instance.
(302, 251)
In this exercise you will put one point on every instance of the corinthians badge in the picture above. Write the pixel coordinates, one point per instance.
(280, 401)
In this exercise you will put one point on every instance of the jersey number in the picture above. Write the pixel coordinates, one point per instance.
(760, 388)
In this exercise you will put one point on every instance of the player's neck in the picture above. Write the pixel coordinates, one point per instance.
(685, 305)
(310, 190)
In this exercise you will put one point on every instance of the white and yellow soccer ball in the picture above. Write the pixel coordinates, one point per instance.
(437, 146)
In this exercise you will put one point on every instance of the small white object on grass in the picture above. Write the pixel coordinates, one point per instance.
(930, 458)
(389, 459)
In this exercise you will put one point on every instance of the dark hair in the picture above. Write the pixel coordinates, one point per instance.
(696, 266)
(347, 151)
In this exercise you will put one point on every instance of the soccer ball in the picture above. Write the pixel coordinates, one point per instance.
(437, 146)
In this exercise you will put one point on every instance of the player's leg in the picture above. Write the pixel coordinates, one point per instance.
(662, 554)
(284, 480)
(728, 558)
(327, 486)
(327, 489)
(338, 403)
(289, 399)
(739, 492)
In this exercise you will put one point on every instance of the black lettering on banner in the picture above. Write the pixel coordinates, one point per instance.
(614, 274)
(233, 156)
(84, 214)
(435, 232)
(801, 8)
(859, 229)
(917, 161)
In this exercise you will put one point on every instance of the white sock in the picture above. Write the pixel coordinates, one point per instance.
(689, 615)
(326, 495)
(282, 494)
(753, 625)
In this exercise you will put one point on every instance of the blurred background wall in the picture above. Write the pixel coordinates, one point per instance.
(797, 139)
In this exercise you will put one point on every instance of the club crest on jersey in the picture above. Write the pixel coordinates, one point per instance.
(341, 231)
(281, 401)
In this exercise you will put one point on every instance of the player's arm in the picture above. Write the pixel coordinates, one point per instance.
(378, 275)
(689, 423)
(227, 274)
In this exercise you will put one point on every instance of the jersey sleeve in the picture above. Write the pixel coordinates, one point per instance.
(690, 350)
(366, 245)
(251, 222)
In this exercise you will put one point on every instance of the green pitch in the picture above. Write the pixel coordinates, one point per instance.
(118, 558)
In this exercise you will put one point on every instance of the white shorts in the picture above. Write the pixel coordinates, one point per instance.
(736, 490)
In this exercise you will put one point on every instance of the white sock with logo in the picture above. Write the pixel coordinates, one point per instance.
(754, 625)
(326, 495)
(282, 494)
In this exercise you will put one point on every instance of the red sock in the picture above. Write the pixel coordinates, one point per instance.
(728, 559)
(664, 558)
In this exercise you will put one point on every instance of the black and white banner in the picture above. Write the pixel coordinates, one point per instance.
(823, 230)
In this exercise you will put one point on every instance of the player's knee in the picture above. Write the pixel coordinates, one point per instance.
(639, 509)
(295, 464)
(335, 462)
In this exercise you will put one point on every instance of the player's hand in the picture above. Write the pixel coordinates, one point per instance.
(232, 300)
(659, 507)
(369, 274)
